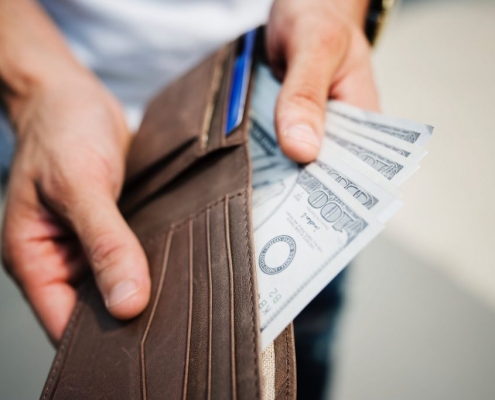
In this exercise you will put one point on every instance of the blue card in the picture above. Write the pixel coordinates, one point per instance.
(240, 82)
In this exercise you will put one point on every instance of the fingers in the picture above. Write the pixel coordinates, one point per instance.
(41, 258)
(116, 257)
(356, 84)
(54, 304)
(300, 111)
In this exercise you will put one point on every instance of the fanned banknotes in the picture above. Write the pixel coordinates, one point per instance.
(311, 221)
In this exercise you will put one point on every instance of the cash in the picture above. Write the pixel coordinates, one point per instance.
(310, 221)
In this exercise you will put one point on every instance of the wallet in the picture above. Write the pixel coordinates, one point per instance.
(187, 197)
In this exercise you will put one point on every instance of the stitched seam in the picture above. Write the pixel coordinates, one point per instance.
(231, 294)
(212, 95)
(190, 306)
(64, 345)
(156, 235)
(210, 302)
(251, 287)
(153, 310)
(287, 365)
(223, 136)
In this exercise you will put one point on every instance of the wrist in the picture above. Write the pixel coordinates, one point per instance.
(354, 11)
(24, 77)
(30, 58)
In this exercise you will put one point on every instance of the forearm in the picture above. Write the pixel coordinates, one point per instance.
(32, 51)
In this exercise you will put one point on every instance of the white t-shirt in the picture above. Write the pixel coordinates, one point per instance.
(137, 46)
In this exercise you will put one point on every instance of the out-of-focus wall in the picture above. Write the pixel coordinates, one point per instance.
(436, 64)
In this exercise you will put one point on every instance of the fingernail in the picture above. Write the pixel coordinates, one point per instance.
(303, 133)
(120, 292)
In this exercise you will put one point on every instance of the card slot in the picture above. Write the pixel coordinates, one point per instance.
(247, 329)
(177, 115)
(173, 164)
(216, 133)
(222, 363)
(218, 136)
(165, 347)
(198, 375)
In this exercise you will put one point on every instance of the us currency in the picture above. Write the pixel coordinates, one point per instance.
(381, 202)
(314, 231)
(386, 162)
(308, 224)
(310, 221)
(411, 151)
(404, 130)
(271, 168)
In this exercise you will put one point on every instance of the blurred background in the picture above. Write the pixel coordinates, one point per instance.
(419, 320)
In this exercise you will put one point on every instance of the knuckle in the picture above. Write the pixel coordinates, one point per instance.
(322, 35)
(308, 97)
(60, 185)
(105, 253)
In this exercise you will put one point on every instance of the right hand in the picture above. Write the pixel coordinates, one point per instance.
(319, 49)
(61, 217)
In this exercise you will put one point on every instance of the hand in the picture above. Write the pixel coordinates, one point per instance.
(319, 50)
(61, 216)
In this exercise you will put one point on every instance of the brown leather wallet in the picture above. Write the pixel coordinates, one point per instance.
(188, 199)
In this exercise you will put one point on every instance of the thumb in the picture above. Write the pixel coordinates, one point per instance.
(300, 109)
(116, 257)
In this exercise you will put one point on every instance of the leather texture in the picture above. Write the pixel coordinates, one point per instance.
(187, 198)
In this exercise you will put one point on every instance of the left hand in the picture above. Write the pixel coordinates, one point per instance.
(319, 51)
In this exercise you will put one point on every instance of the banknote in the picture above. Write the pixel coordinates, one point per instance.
(310, 221)
(381, 202)
(265, 92)
(407, 131)
(411, 151)
(317, 228)
(271, 167)
(332, 151)
(389, 164)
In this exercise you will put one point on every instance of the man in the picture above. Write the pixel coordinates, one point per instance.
(75, 78)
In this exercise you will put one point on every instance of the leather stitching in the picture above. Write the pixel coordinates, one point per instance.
(247, 184)
(159, 233)
(153, 310)
(210, 302)
(287, 365)
(213, 94)
(66, 341)
(231, 294)
(189, 319)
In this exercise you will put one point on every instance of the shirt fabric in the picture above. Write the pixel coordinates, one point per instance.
(136, 47)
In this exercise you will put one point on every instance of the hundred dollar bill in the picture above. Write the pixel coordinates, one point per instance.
(331, 150)
(304, 243)
(407, 131)
(381, 202)
(389, 164)
(265, 92)
(402, 131)
(273, 173)
(266, 157)
(411, 151)
(271, 168)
